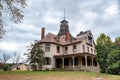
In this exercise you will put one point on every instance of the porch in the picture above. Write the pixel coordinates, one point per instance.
(76, 62)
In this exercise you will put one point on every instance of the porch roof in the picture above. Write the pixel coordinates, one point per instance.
(75, 55)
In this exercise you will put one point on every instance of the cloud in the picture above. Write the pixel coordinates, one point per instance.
(99, 16)
(111, 10)
(9, 46)
(51, 18)
(26, 27)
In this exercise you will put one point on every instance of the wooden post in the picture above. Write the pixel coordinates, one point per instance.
(63, 62)
(73, 62)
(92, 62)
(86, 62)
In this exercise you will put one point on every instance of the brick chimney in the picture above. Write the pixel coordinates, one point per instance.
(42, 33)
(67, 36)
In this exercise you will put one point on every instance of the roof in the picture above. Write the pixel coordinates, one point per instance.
(1, 64)
(51, 38)
(16, 65)
(60, 40)
(80, 54)
(85, 33)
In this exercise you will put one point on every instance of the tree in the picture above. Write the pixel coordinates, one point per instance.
(36, 56)
(113, 62)
(13, 8)
(103, 47)
(4, 57)
(1, 31)
(113, 59)
(117, 41)
(16, 58)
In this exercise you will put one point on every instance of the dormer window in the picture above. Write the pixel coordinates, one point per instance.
(57, 39)
(89, 40)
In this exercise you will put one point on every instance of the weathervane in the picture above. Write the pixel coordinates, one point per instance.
(64, 13)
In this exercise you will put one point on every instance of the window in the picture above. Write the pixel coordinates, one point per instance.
(58, 49)
(87, 49)
(47, 47)
(74, 47)
(94, 51)
(91, 50)
(47, 61)
(66, 49)
(90, 40)
(83, 47)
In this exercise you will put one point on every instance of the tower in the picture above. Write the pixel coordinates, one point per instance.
(64, 27)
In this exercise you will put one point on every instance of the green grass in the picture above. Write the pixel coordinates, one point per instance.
(60, 73)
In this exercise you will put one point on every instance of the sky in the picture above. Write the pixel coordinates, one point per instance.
(99, 16)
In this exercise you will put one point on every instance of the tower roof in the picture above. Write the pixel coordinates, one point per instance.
(64, 28)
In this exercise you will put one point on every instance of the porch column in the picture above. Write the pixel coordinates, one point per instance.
(73, 62)
(92, 61)
(63, 63)
(86, 62)
(81, 61)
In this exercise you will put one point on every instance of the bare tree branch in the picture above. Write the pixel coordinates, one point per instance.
(13, 8)
(16, 58)
(5, 57)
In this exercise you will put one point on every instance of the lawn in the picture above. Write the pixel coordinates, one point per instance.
(55, 75)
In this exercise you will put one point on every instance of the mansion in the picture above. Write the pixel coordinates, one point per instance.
(64, 51)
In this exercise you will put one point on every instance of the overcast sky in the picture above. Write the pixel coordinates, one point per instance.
(99, 16)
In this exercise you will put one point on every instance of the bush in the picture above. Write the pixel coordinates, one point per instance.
(6, 67)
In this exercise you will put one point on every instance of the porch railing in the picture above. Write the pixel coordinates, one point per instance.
(78, 67)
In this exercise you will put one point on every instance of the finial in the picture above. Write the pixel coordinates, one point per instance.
(64, 13)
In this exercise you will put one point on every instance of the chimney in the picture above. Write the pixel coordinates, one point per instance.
(67, 36)
(42, 33)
